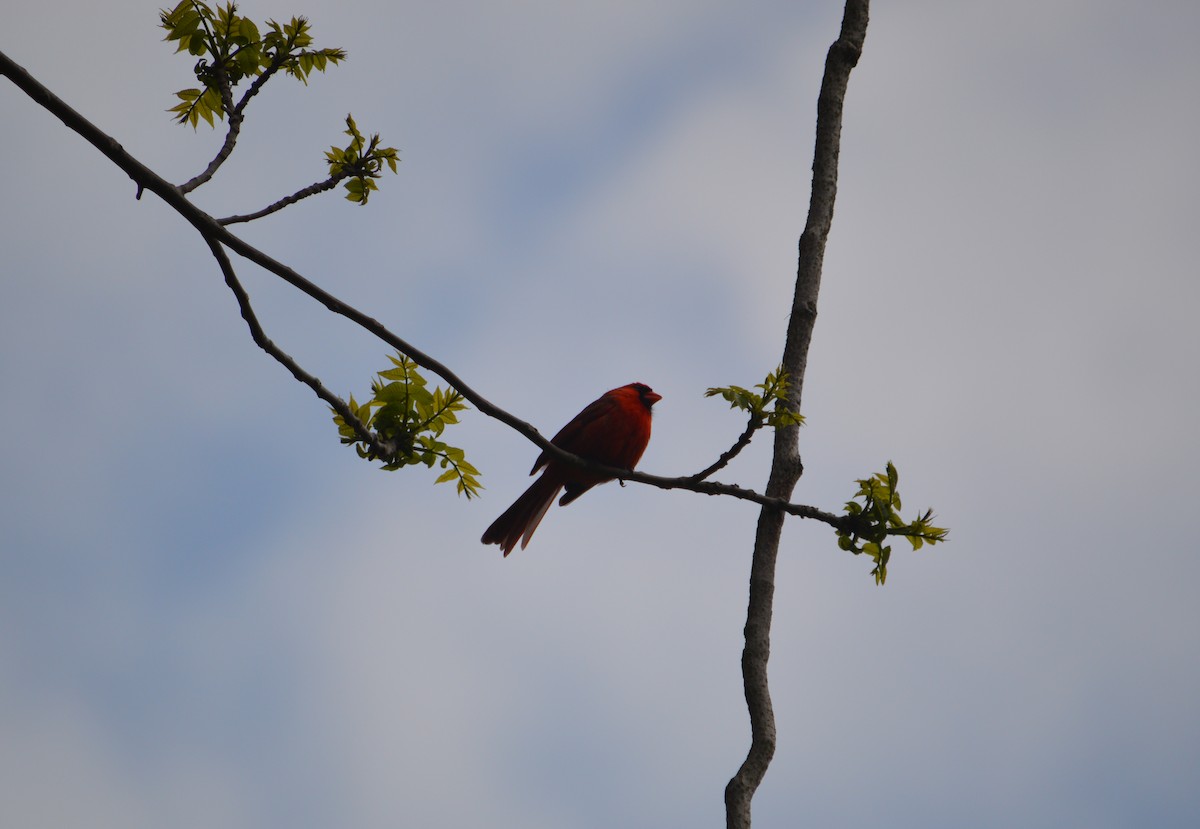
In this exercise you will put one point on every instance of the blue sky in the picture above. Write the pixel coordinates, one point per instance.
(211, 614)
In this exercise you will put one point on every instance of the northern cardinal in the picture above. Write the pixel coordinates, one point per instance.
(613, 430)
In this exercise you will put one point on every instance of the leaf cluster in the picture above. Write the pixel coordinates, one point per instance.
(410, 418)
(230, 48)
(362, 161)
(878, 516)
(769, 407)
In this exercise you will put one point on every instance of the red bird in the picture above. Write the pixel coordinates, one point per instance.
(613, 430)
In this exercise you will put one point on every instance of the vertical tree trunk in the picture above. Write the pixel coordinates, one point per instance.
(786, 467)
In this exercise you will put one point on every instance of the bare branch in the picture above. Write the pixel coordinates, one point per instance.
(786, 466)
(255, 85)
(267, 345)
(729, 454)
(310, 190)
(231, 137)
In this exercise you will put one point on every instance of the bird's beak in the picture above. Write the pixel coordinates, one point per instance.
(652, 397)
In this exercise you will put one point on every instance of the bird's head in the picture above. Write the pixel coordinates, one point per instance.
(646, 394)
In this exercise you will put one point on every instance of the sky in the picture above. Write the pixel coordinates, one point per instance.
(212, 614)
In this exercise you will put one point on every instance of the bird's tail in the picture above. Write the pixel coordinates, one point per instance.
(518, 522)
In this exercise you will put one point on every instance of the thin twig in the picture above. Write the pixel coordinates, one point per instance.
(310, 190)
(255, 85)
(231, 136)
(754, 424)
(266, 344)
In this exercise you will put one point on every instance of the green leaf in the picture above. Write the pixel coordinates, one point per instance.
(875, 512)
(770, 408)
(233, 47)
(412, 417)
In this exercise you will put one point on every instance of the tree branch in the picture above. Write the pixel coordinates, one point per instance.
(729, 454)
(277, 60)
(260, 338)
(786, 467)
(218, 237)
(310, 190)
(236, 116)
(231, 137)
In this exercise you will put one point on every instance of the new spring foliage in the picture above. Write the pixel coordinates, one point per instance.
(231, 49)
(410, 419)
